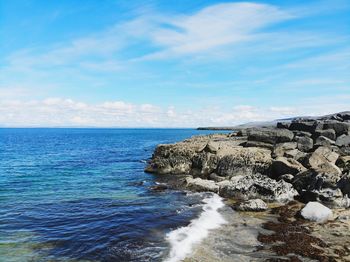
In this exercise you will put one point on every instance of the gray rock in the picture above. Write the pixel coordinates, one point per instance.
(204, 163)
(256, 205)
(201, 185)
(343, 140)
(303, 125)
(281, 166)
(283, 125)
(258, 144)
(216, 178)
(329, 133)
(324, 141)
(257, 186)
(270, 135)
(244, 161)
(287, 177)
(280, 149)
(340, 128)
(304, 143)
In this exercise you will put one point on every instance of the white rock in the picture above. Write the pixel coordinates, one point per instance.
(315, 211)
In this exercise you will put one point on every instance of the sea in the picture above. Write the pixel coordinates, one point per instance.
(82, 195)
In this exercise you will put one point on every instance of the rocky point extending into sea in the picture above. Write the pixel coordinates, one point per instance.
(298, 169)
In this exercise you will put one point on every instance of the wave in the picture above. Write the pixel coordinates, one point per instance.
(183, 239)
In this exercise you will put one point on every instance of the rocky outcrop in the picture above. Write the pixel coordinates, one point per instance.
(257, 186)
(309, 157)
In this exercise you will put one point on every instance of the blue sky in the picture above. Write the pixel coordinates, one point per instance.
(171, 63)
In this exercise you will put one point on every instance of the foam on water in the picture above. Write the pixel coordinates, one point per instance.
(183, 239)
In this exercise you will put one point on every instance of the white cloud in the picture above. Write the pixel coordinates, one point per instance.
(67, 112)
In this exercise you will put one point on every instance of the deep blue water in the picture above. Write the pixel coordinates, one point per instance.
(75, 195)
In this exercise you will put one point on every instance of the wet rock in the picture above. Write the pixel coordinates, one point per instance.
(159, 187)
(343, 140)
(315, 211)
(270, 135)
(282, 165)
(255, 205)
(257, 186)
(201, 185)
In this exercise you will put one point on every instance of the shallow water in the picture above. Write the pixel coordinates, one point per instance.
(82, 195)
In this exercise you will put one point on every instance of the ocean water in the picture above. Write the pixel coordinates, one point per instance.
(82, 195)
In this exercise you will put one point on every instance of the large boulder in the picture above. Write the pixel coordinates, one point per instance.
(303, 125)
(283, 165)
(204, 163)
(304, 143)
(340, 128)
(329, 133)
(343, 140)
(201, 185)
(324, 141)
(270, 135)
(257, 186)
(255, 205)
(244, 160)
(170, 159)
(320, 156)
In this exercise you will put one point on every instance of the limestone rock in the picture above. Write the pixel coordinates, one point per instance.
(304, 143)
(201, 185)
(252, 205)
(257, 186)
(315, 211)
(343, 140)
(281, 148)
(329, 133)
(340, 128)
(324, 141)
(282, 165)
(243, 161)
(270, 135)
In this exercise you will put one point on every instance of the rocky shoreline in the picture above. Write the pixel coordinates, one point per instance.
(304, 159)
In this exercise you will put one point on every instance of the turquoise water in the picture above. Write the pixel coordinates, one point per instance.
(82, 195)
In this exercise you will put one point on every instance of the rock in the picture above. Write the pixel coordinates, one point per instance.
(304, 143)
(301, 133)
(201, 185)
(204, 163)
(295, 154)
(343, 140)
(320, 156)
(329, 133)
(344, 185)
(170, 159)
(257, 186)
(211, 148)
(303, 125)
(324, 141)
(281, 166)
(344, 115)
(317, 212)
(216, 178)
(244, 161)
(258, 144)
(159, 187)
(252, 205)
(270, 135)
(343, 162)
(340, 128)
(287, 177)
(284, 125)
(281, 148)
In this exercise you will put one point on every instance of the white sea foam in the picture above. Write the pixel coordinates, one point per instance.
(183, 239)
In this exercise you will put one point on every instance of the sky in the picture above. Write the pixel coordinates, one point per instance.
(174, 63)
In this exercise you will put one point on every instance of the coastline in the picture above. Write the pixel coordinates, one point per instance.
(278, 165)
